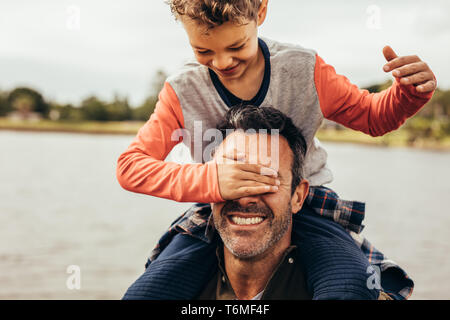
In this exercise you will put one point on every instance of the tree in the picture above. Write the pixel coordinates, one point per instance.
(119, 109)
(158, 82)
(144, 111)
(94, 109)
(26, 100)
(4, 107)
(67, 112)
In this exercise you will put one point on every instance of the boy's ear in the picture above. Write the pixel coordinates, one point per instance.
(262, 12)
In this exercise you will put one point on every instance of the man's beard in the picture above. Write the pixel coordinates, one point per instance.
(275, 229)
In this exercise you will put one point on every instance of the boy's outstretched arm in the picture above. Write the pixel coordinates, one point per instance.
(375, 113)
(142, 169)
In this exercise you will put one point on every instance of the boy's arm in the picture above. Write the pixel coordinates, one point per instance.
(141, 168)
(372, 113)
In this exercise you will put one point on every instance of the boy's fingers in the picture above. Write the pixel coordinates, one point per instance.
(417, 78)
(259, 169)
(389, 53)
(253, 191)
(400, 62)
(427, 87)
(251, 176)
(410, 69)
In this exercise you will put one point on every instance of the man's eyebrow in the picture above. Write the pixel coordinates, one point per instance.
(230, 46)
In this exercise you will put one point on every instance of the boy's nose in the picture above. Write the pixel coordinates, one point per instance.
(223, 62)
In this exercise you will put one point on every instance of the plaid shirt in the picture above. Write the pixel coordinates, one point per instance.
(326, 203)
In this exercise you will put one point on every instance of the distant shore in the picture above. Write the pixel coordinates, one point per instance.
(87, 127)
(399, 138)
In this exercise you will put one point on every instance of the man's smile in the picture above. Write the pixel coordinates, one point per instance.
(245, 220)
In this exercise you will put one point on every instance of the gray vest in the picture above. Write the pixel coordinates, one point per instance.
(292, 90)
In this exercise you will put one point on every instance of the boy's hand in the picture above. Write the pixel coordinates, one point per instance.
(237, 179)
(410, 70)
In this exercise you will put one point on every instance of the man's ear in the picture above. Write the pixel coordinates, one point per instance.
(262, 12)
(299, 196)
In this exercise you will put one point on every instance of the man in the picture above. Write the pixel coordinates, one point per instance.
(264, 247)
(257, 259)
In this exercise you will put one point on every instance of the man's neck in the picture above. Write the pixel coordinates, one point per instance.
(248, 277)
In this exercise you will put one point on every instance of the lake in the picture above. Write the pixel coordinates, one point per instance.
(61, 205)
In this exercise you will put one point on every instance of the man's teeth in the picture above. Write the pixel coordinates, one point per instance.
(239, 220)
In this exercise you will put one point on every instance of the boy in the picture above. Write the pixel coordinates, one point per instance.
(233, 67)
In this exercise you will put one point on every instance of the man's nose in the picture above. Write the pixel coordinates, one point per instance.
(222, 62)
(248, 201)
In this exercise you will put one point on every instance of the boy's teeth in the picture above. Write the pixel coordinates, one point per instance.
(243, 221)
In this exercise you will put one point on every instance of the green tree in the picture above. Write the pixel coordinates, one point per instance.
(94, 109)
(158, 82)
(4, 106)
(119, 109)
(26, 100)
(144, 111)
(67, 112)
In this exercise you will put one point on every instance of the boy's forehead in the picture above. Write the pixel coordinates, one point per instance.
(227, 32)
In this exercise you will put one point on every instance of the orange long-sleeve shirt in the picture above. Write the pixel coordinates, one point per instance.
(301, 85)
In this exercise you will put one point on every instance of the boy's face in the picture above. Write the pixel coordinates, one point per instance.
(228, 49)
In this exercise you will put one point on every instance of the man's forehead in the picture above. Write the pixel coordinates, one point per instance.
(256, 148)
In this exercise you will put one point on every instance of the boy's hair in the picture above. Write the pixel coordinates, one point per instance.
(213, 13)
(247, 117)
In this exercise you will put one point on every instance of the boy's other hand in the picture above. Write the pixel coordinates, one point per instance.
(237, 179)
(410, 70)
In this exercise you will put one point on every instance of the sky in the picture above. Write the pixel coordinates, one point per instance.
(69, 50)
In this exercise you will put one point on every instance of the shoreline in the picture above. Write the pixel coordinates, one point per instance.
(396, 139)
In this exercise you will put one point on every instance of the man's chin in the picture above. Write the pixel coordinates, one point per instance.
(245, 247)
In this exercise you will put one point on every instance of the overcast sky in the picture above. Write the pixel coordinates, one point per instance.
(116, 46)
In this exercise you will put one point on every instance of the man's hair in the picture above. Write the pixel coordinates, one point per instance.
(247, 117)
(213, 13)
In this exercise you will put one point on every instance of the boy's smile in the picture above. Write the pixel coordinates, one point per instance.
(230, 49)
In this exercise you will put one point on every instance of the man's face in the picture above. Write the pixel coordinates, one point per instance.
(227, 49)
(249, 226)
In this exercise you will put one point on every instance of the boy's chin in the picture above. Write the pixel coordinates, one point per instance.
(232, 76)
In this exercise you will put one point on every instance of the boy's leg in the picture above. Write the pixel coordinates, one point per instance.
(179, 273)
(335, 267)
(182, 262)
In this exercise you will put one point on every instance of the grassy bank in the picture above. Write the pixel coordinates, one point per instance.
(399, 138)
(91, 127)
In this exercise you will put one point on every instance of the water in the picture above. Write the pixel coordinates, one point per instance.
(60, 205)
